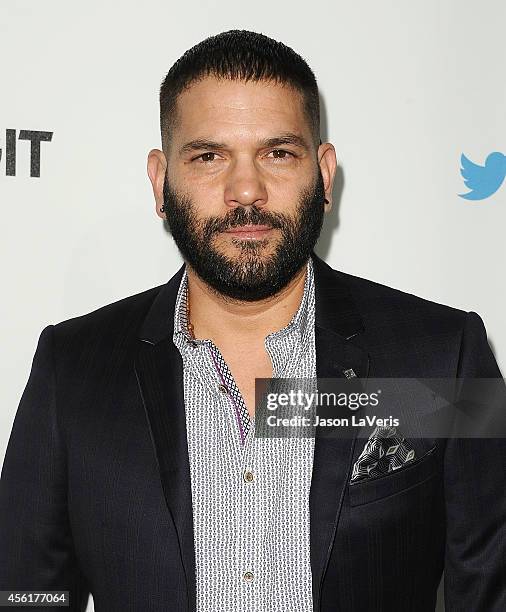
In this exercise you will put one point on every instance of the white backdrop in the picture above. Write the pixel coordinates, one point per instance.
(406, 88)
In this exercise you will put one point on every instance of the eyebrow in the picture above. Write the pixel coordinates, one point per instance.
(286, 138)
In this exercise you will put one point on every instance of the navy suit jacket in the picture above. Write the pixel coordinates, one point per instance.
(95, 489)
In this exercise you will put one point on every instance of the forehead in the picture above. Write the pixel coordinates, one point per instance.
(237, 108)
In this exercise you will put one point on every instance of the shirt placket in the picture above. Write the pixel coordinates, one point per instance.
(245, 531)
(199, 364)
(248, 560)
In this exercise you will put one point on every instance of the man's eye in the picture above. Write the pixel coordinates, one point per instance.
(205, 157)
(281, 154)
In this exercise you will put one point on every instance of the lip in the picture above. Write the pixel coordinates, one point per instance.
(249, 231)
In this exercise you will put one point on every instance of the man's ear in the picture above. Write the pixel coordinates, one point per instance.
(328, 165)
(157, 167)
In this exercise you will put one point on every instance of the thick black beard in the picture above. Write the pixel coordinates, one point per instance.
(248, 277)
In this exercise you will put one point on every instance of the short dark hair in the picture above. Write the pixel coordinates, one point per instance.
(239, 55)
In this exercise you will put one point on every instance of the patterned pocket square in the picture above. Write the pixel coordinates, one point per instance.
(386, 450)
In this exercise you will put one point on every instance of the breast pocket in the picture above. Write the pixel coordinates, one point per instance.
(411, 475)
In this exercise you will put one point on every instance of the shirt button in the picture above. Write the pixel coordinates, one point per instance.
(248, 476)
(222, 388)
(248, 576)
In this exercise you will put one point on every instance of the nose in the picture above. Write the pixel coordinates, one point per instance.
(245, 185)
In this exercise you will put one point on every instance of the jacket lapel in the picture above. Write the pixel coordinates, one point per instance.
(338, 326)
(159, 371)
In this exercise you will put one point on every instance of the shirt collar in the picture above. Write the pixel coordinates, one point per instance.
(180, 312)
(298, 324)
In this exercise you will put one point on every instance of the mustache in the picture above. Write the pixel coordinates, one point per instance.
(240, 216)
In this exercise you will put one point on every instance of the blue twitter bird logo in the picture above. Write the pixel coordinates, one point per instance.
(483, 180)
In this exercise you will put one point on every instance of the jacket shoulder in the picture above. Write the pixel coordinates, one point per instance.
(383, 305)
(367, 289)
(120, 318)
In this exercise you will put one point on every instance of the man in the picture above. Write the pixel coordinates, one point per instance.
(133, 471)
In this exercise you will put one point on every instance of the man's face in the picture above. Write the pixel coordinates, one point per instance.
(243, 191)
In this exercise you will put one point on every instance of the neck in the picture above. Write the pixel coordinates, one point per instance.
(220, 318)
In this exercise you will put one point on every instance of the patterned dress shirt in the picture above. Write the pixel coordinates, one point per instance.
(250, 495)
